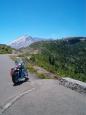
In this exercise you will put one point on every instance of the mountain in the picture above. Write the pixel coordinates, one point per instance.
(23, 41)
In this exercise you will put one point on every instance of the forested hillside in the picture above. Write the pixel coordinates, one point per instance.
(65, 57)
(4, 49)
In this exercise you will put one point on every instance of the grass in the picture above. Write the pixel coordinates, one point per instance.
(33, 70)
(42, 76)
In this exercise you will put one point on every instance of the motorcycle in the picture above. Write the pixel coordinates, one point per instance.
(19, 75)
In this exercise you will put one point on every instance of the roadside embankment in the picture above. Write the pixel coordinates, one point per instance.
(73, 84)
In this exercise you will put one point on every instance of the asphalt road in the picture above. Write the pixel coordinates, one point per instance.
(47, 97)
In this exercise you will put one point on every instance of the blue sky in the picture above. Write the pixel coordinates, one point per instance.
(42, 18)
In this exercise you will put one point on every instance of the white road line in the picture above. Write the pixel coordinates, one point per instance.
(7, 105)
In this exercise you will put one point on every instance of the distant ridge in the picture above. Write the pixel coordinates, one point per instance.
(25, 41)
(72, 40)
